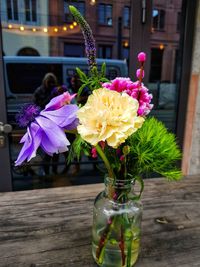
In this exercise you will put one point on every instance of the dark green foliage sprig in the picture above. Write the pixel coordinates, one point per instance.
(78, 147)
(93, 80)
(154, 149)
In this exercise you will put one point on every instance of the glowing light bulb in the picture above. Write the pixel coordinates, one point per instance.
(45, 30)
(126, 44)
(161, 46)
(75, 23)
(21, 28)
(92, 2)
(55, 29)
(71, 27)
(10, 26)
(64, 28)
(34, 29)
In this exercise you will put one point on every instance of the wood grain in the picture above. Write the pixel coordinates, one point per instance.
(52, 227)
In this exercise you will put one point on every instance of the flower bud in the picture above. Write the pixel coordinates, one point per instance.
(141, 57)
(138, 73)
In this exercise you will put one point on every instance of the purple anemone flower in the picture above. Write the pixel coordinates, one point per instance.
(46, 128)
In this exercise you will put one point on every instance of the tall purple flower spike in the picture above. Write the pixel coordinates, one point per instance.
(47, 129)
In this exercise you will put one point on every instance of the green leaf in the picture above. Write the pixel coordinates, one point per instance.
(81, 75)
(154, 149)
(80, 90)
(77, 147)
(103, 69)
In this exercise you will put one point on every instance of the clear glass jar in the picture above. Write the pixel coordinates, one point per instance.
(116, 225)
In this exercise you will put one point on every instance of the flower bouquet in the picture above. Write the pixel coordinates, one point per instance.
(113, 125)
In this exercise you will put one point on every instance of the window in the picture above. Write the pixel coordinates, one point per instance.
(74, 50)
(30, 10)
(178, 25)
(126, 53)
(105, 14)
(32, 77)
(12, 9)
(126, 17)
(79, 5)
(158, 19)
(105, 51)
(156, 64)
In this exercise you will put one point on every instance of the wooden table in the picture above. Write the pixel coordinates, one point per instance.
(52, 227)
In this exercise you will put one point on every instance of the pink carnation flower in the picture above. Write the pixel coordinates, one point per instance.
(119, 84)
(134, 89)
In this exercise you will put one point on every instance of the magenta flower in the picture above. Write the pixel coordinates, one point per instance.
(46, 128)
(144, 99)
(94, 153)
(135, 90)
(141, 57)
(119, 84)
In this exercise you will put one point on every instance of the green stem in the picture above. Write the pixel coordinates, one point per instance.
(103, 241)
(129, 250)
(105, 160)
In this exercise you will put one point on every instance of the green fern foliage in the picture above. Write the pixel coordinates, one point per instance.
(78, 147)
(154, 149)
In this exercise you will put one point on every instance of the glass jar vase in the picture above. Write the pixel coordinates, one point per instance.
(116, 225)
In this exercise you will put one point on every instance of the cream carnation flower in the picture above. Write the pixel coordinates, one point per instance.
(108, 116)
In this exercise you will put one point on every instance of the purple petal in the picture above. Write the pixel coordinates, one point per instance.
(63, 116)
(54, 139)
(59, 101)
(31, 141)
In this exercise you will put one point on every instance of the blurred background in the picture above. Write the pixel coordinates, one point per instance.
(40, 36)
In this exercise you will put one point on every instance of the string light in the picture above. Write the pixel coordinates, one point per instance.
(55, 29)
(10, 26)
(45, 30)
(71, 27)
(75, 23)
(21, 28)
(64, 28)
(34, 29)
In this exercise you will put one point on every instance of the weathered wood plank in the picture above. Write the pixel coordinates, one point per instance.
(52, 227)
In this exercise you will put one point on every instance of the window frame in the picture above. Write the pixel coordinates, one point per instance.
(129, 17)
(13, 12)
(104, 47)
(31, 21)
(158, 26)
(104, 23)
(67, 13)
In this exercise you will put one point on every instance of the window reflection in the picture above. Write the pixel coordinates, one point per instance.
(45, 29)
(80, 5)
(126, 16)
(30, 10)
(105, 14)
(158, 19)
(12, 10)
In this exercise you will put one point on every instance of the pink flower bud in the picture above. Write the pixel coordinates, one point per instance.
(141, 57)
(94, 152)
(109, 221)
(138, 73)
(102, 144)
(115, 196)
(122, 158)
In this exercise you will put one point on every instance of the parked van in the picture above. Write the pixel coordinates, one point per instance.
(24, 74)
